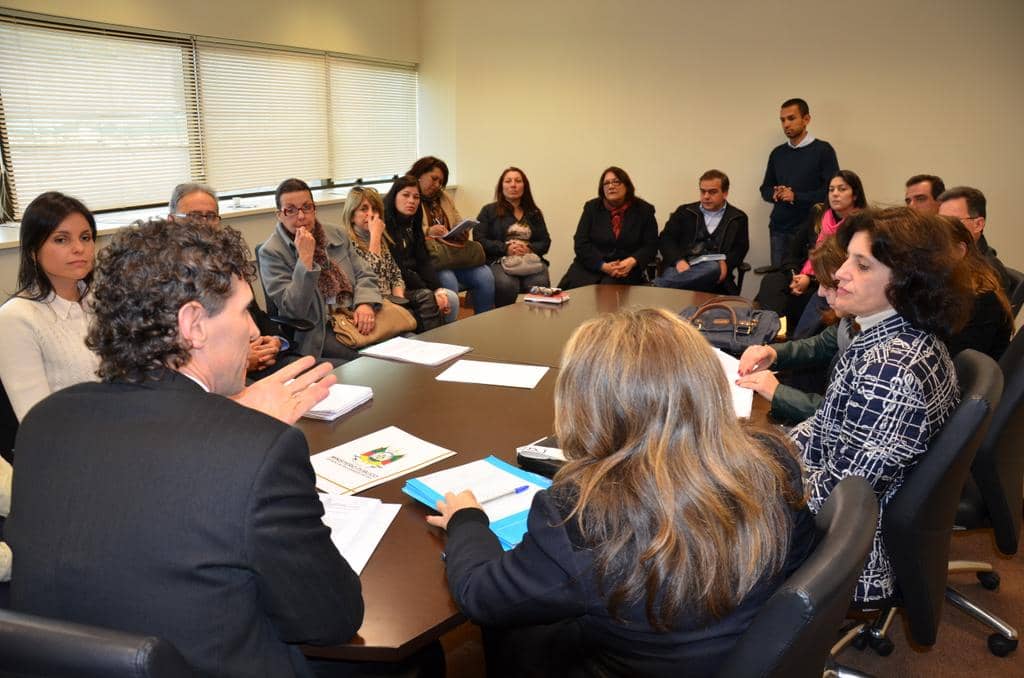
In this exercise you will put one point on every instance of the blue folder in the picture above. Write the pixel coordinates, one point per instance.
(509, 530)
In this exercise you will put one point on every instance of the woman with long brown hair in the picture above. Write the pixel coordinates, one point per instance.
(668, 528)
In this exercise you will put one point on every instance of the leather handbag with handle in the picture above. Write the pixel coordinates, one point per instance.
(390, 321)
(732, 323)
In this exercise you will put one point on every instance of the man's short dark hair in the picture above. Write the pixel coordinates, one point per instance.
(937, 184)
(804, 108)
(975, 199)
(713, 174)
(144, 276)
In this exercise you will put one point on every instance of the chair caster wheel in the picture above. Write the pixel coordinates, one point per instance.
(1001, 646)
(859, 642)
(989, 580)
(883, 647)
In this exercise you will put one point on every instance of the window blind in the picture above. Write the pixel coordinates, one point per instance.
(373, 130)
(99, 116)
(264, 116)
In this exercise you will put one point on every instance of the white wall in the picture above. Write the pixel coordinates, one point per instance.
(386, 30)
(667, 89)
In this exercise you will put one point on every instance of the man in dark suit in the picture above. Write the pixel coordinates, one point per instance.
(152, 503)
(703, 242)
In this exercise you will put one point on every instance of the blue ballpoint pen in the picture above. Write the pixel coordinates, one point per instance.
(502, 495)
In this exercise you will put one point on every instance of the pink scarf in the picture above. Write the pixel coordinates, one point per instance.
(617, 213)
(829, 226)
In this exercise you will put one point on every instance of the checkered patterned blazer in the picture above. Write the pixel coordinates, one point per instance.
(890, 393)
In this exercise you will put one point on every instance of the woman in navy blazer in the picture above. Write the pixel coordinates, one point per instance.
(660, 539)
(617, 235)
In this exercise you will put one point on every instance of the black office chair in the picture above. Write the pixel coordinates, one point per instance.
(289, 326)
(992, 497)
(37, 646)
(8, 426)
(791, 635)
(1017, 289)
(918, 522)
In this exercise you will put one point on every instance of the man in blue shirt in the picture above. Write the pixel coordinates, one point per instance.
(703, 242)
(797, 176)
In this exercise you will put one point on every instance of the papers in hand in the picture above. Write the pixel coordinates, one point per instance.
(373, 459)
(742, 398)
(415, 351)
(357, 525)
(492, 479)
(460, 228)
(494, 374)
(340, 399)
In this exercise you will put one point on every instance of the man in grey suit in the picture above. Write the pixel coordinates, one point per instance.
(152, 503)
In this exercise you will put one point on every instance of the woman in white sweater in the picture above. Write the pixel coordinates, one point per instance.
(43, 325)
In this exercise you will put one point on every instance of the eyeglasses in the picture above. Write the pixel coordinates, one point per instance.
(611, 182)
(211, 218)
(305, 209)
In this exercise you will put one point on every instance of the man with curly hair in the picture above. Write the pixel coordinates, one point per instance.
(151, 502)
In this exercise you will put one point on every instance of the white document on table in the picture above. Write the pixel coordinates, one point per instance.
(494, 374)
(357, 525)
(742, 398)
(373, 459)
(341, 398)
(415, 351)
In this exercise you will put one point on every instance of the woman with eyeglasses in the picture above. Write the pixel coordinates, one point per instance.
(308, 268)
(616, 238)
(666, 531)
(439, 217)
(44, 324)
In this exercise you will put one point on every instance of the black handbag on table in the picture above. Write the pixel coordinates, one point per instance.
(732, 323)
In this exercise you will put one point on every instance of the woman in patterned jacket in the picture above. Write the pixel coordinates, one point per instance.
(895, 385)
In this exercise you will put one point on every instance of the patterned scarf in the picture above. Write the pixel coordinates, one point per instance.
(434, 211)
(617, 213)
(332, 282)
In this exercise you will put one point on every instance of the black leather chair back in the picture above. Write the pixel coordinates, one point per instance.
(268, 303)
(1016, 289)
(919, 519)
(37, 646)
(792, 634)
(994, 497)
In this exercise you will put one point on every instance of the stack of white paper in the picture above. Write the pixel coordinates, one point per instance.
(341, 399)
(415, 351)
(357, 525)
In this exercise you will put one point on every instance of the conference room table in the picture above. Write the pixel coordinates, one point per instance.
(404, 587)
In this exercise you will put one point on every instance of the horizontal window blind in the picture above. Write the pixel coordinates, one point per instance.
(118, 117)
(264, 116)
(373, 131)
(104, 118)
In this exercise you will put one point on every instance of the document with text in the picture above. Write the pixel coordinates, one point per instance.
(357, 525)
(373, 459)
(415, 351)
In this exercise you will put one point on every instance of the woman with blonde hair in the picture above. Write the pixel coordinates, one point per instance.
(668, 528)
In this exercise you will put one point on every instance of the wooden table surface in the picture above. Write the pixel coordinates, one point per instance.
(404, 588)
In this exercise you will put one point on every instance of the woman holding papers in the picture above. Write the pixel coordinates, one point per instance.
(617, 235)
(515, 238)
(403, 213)
(439, 217)
(309, 269)
(43, 325)
(668, 528)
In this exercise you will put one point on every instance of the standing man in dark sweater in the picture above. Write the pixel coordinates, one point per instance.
(797, 176)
